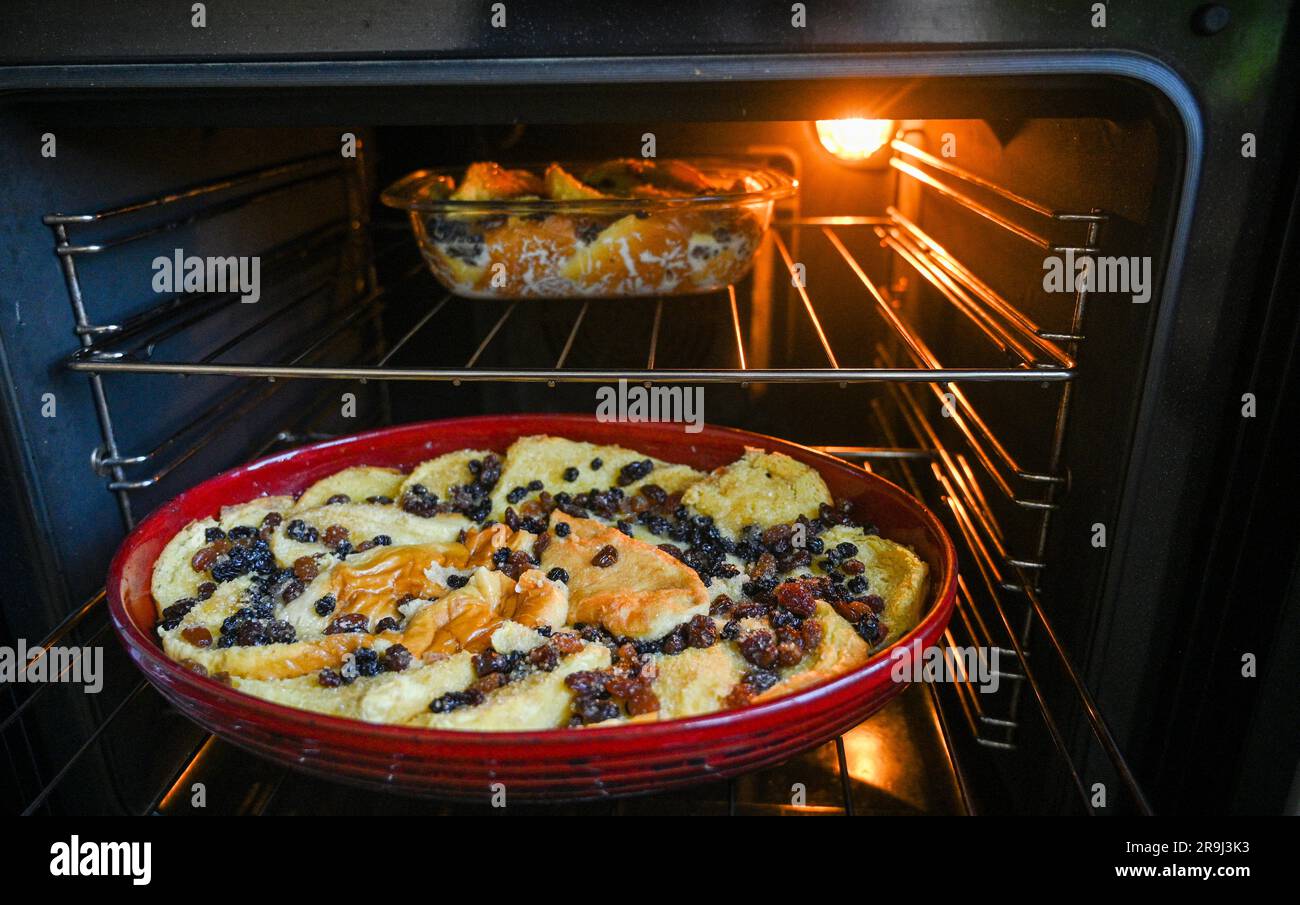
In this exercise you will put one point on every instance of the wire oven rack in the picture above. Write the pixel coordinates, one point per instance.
(998, 603)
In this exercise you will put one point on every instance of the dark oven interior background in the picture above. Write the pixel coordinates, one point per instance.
(342, 285)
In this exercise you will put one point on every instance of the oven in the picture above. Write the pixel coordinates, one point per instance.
(1043, 287)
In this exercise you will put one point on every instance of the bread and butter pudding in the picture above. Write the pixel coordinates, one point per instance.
(619, 228)
(562, 584)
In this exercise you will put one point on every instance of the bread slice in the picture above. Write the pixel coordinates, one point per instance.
(760, 488)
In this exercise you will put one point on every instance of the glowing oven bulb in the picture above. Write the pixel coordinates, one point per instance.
(854, 140)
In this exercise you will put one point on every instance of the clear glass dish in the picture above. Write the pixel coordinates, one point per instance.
(649, 235)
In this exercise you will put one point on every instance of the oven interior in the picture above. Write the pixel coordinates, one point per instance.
(921, 345)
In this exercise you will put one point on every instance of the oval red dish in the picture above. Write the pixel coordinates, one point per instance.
(555, 765)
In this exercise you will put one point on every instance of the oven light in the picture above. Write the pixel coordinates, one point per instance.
(854, 140)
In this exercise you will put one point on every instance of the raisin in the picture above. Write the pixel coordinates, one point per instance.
(292, 590)
(595, 710)
(203, 560)
(302, 532)
(605, 557)
(270, 522)
(335, 535)
(597, 463)
(634, 471)
(395, 659)
(423, 505)
(793, 560)
(305, 568)
(701, 632)
(212, 534)
(562, 529)
(558, 574)
(517, 563)
(338, 498)
(544, 657)
(760, 680)
(851, 610)
(367, 662)
(347, 623)
(797, 597)
(759, 648)
(491, 661)
(490, 682)
(586, 681)
(241, 534)
(566, 643)
(387, 624)
(570, 474)
(674, 642)
(455, 582)
(721, 605)
(328, 678)
(853, 566)
(811, 632)
(454, 700)
(541, 544)
(172, 615)
(642, 701)
(777, 539)
(198, 636)
(326, 605)
(789, 653)
(490, 471)
(516, 494)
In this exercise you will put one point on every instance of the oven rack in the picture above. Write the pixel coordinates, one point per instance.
(132, 347)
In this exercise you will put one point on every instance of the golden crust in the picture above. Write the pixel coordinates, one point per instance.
(492, 182)
(358, 484)
(893, 571)
(697, 680)
(364, 521)
(541, 701)
(439, 474)
(644, 594)
(173, 577)
(544, 458)
(761, 488)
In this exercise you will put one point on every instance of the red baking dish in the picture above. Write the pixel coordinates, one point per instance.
(556, 765)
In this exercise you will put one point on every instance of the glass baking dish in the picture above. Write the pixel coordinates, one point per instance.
(641, 228)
